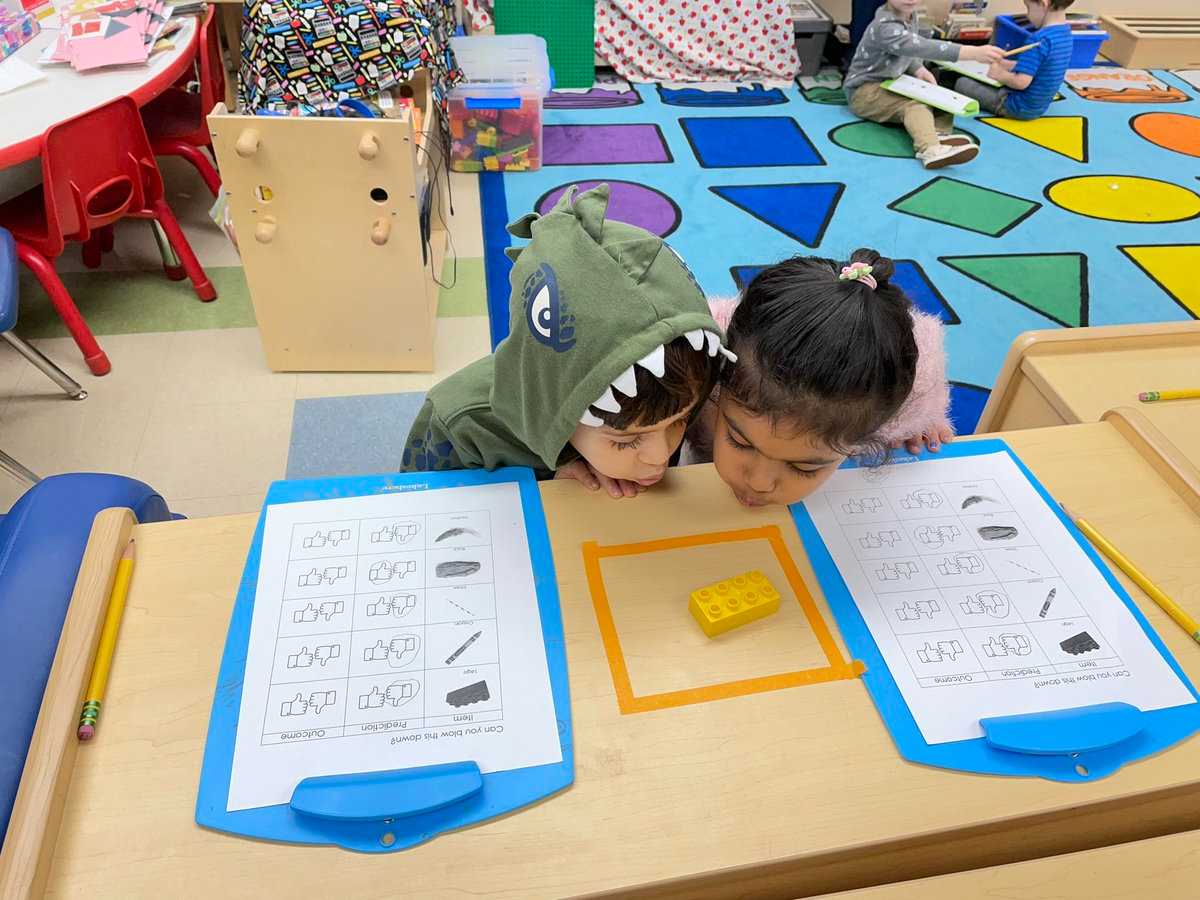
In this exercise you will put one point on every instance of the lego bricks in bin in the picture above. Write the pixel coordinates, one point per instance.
(318, 53)
(495, 140)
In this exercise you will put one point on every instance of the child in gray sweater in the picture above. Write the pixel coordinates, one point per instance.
(891, 47)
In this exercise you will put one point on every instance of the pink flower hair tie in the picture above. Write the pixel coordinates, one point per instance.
(858, 271)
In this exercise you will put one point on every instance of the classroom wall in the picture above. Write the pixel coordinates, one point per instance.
(840, 9)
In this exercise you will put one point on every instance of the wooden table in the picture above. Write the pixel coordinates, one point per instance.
(1076, 375)
(28, 112)
(787, 793)
(1165, 867)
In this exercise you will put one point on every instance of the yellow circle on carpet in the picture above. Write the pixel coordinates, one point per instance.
(1124, 198)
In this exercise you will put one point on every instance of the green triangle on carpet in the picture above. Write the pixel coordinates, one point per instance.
(1053, 284)
(801, 211)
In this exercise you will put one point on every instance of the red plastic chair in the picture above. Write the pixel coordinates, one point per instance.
(175, 119)
(96, 169)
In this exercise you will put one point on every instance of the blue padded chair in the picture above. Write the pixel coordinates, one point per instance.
(8, 320)
(41, 546)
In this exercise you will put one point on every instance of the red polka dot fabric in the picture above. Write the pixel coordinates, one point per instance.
(689, 40)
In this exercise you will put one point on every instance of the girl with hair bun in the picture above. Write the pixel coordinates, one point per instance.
(832, 362)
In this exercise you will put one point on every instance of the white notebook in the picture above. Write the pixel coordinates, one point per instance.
(971, 68)
(933, 95)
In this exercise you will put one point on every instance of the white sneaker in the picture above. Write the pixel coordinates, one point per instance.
(954, 140)
(941, 155)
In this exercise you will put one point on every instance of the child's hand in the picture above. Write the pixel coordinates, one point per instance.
(989, 53)
(593, 480)
(997, 71)
(933, 441)
(925, 75)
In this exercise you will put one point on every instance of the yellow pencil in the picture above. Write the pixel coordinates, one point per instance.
(1151, 396)
(1016, 50)
(1170, 607)
(89, 717)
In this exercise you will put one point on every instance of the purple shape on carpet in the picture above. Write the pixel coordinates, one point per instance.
(597, 145)
(629, 202)
(610, 90)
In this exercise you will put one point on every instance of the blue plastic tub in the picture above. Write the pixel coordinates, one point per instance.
(1083, 50)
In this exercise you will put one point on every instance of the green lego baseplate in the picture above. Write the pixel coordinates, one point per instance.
(569, 29)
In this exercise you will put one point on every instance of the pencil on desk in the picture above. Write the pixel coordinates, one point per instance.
(1016, 50)
(1170, 607)
(89, 717)
(1152, 396)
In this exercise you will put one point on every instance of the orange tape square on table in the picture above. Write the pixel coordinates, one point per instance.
(629, 702)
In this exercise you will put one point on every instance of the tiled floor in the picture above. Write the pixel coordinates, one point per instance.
(190, 406)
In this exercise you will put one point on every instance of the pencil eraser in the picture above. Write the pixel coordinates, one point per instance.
(1147, 396)
(86, 732)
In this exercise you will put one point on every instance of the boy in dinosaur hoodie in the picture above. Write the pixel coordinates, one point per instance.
(611, 348)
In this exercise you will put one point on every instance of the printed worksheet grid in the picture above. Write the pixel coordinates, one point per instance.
(964, 587)
(386, 625)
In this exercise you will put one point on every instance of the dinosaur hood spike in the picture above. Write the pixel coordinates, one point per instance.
(592, 298)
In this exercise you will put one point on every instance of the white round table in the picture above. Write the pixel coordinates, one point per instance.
(27, 112)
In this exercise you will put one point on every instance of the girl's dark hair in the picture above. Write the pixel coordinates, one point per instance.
(823, 355)
(688, 377)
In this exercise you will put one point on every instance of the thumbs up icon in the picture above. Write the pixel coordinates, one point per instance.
(308, 614)
(301, 660)
(379, 651)
(373, 700)
(297, 707)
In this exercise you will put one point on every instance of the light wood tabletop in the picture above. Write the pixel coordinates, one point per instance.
(1076, 375)
(790, 792)
(1165, 867)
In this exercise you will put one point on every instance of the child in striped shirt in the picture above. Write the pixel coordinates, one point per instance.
(1031, 80)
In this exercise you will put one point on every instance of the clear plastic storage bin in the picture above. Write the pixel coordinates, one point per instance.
(496, 111)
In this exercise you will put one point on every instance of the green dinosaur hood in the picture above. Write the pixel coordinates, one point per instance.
(590, 298)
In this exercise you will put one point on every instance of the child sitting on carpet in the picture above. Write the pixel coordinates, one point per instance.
(831, 361)
(611, 348)
(1033, 78)
(891, 47)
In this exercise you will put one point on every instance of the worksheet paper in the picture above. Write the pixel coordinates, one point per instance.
(980, 601)
(933, 95)
(971, 68)
(392, 631)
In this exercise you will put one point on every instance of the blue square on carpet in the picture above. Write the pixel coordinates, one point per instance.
(334, 437)
(749, 142)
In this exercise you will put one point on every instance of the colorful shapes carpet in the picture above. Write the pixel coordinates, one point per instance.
(1084, 217)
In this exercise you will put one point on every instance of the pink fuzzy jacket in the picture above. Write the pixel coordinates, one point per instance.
(925, 412)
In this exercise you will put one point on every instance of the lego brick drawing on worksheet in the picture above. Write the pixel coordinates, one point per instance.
(980, 601)
(376, 641)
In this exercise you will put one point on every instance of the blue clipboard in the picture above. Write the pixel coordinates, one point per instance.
(1079, 744)
(382, 811)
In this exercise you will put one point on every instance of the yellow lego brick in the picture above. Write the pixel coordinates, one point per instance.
(727, 604)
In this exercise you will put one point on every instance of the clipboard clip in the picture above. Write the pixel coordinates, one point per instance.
(1087, 739)
(388, 795)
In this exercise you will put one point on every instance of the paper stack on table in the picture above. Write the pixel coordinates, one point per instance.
(100, 33)
(17, 73)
